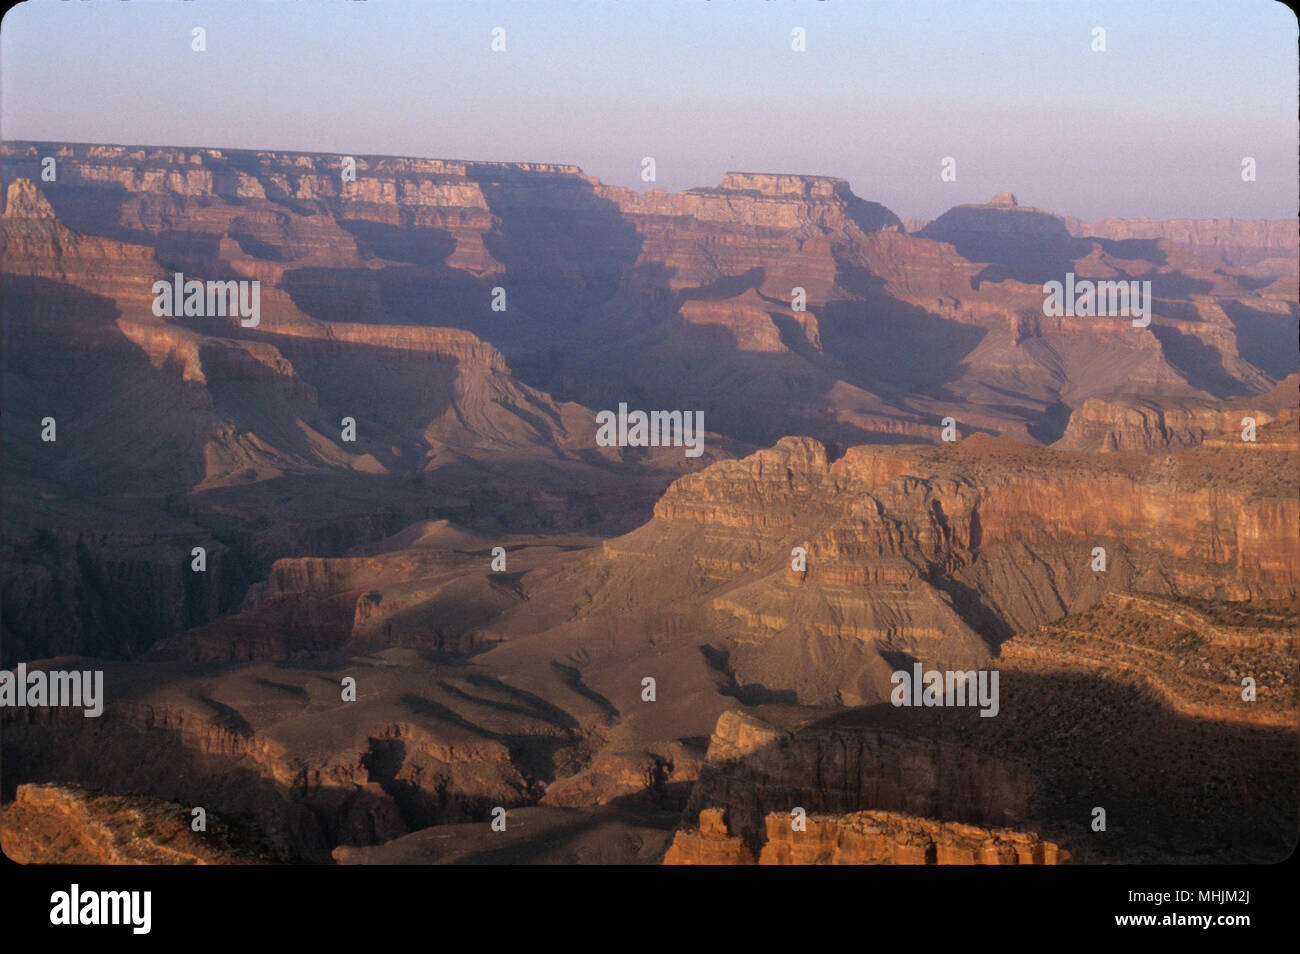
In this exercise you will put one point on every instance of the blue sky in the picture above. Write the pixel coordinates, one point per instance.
(1155, 126)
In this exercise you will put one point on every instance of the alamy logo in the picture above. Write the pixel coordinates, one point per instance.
(656, 429)
(191, 298)
(1101, 299)
(75, 906)
(54, 688)
(935, 688)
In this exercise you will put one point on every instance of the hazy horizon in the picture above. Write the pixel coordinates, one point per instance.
(1154, 127)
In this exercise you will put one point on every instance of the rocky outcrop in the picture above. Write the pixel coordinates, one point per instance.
(710, 842)
(1002, 215)
(59, 825)
(34, 243)
(1145, 425)
(899, 515)
(861, 838)
(756, 768)
(867, 838)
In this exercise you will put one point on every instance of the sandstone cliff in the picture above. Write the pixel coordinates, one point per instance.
(861, 838)
(1129, 423)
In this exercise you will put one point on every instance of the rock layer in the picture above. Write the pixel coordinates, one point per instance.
(861, 838)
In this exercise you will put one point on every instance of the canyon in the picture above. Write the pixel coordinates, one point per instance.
(639, 654)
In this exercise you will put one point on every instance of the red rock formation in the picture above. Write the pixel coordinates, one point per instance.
(755, 769)
(711, 843)
(54, 825)
(860, 838)
(874, 838)
(1127, 423)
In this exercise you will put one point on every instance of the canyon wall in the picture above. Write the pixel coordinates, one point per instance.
(1238, 241)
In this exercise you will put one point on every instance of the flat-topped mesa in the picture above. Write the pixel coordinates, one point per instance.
(184, 170)
(464, 198)
(281, 175)
(537, 168)
(1002, 215)
(785, 185)
(824, 200)
(287, 159)
(824, 210)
